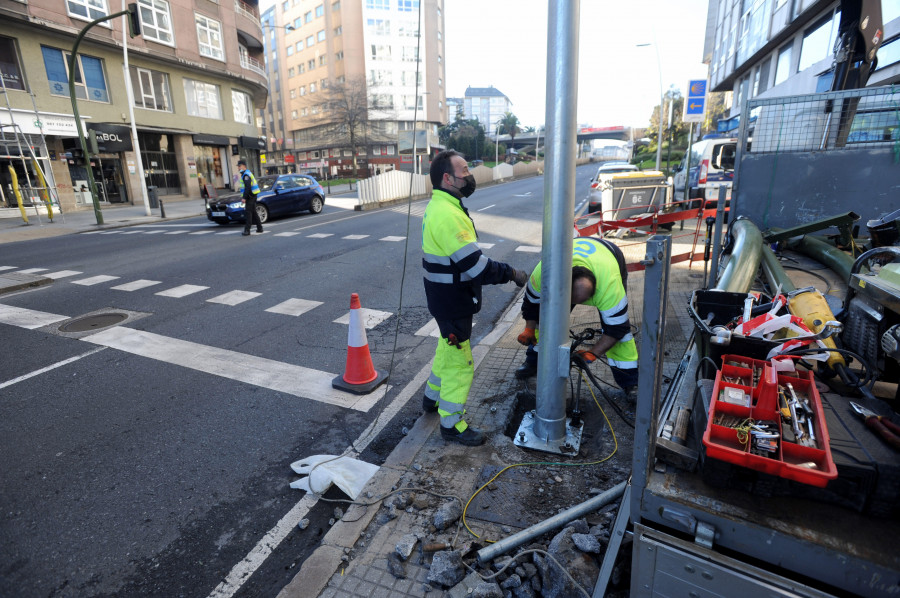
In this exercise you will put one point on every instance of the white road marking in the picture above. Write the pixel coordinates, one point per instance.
(182, 291)
(320, 235)
(92, 232)
(286, 234)
(485, 245)
(291, 379)
(486, 207)
(87, 282)
(27, 318)
(153, 232)
(32, 270)
(3, 268)
(133, 232)
(168, 226)
(234, 297)
(111, 232)
(177, 232)
(528, 249)
(370, 317)
(392, 239)
(136, 285)
(355, 237)
(230, 232)
(526, 194)
(294, 307)
(50, 367)
(429, 329)
(202, 232)
(62, 274)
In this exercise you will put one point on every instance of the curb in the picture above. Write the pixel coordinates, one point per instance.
(13, 281)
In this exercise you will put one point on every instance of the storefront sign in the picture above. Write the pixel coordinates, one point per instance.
(262, 158)
(111, 138)
(207, 139)
(131, 167)
(288, 159)
(257, 143)
(46, 122)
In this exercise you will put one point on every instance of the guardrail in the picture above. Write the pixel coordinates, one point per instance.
(245, 9)
(253, 65)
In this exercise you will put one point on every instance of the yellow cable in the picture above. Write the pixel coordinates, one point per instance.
(497, 475)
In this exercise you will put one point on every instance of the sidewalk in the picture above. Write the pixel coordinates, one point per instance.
(355, 557)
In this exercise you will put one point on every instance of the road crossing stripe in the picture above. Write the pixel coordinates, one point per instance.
(111, 232)
(62, 274)
(234, 297)
(229, 232)
(177, 232)
(27, 318)
(2, 268)
(136, 285)
(50, 367)
(528, 249)
(429, 329)
(485, 245)
(182, 291)
(320, 235)
(486, 207)
(286, 234)
(202, 232)
(355, 237)
(32, 270)
(133, 232)
(153, 232)
(392, 239)
(87, 282)
(291, 379)
(294, 307)
(370, 317)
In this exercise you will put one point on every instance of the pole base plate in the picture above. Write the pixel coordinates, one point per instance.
(569, 445)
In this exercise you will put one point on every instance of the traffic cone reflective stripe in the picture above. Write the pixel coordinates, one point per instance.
(360, 376)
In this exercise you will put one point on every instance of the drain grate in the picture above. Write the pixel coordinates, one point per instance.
(94, 322)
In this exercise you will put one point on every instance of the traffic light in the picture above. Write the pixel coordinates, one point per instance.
(134, 19)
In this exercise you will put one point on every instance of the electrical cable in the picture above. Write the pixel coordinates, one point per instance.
(700, 365)
(812, 273)
(870, 373)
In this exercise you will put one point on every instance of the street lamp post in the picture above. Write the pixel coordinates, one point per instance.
(662, 103)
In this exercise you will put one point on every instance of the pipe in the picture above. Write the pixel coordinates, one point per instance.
(775, 274)
(740, 272)
(559, 520)
(836, 259)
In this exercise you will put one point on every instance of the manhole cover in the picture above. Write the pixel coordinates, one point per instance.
(93, 322)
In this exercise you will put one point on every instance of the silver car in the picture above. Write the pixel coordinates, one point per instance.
(604, 173)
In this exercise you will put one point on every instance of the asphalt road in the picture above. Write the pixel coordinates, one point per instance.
(150, 458)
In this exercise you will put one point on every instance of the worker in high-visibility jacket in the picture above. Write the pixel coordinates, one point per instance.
(249, 190)
(599, 278)
(455, 269)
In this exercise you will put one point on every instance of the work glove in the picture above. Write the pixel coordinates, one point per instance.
(520, 277)
(527, 337)
(586, 356)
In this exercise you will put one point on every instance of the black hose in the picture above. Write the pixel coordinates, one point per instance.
(812, 273)
(870, 373)
(583, 367)
(700, 365)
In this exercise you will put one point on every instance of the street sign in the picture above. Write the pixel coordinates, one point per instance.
(695, 101)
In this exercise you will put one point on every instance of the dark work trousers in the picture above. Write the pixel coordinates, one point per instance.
(625, 379)
(250, 215)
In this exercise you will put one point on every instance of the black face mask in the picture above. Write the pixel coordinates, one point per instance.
(469, 188)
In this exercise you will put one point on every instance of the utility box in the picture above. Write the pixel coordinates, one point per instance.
(629, 194)
(152, 196)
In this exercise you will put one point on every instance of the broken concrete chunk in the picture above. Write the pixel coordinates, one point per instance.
(406, 545)
(586, 543)
(513, 581)
(446, 568)
(580, 526)
(500, 562)
(396, 567)
(447, 514)
(487, 590)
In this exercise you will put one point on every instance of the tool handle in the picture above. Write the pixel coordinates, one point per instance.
(889, 425)
(877, 426)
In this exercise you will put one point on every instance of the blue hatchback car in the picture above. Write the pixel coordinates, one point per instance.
(279, 195)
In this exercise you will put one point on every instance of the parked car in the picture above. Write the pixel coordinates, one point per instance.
(604, 173)
(712, 166)
(279, 195)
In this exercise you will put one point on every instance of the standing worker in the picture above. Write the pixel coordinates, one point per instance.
(455, 269)
(249, 190)
(599, 278)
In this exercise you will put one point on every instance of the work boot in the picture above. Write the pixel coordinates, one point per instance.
(526, 370)
(429, 405)
(259, 229)
(246, 232)
(470, 437)
(631, 394)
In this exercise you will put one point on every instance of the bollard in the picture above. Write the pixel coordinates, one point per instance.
(162, 209)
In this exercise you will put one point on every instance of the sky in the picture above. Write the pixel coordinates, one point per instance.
(504, 43)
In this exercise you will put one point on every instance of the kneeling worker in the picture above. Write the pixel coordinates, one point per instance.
(455, 269)
(598, 278)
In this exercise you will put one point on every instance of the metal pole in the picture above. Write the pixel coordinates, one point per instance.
(559, 189)
(129, 92)
(662, 106)
(687, 170)
(17, 130)
(717, 238)
(487, 554)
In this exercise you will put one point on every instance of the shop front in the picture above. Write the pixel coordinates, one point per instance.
(160, 162)
(250, 149)
(107, 165)
(210, 152)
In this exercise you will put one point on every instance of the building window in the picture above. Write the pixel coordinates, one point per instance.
(293, 93)
(209, 35)
(304, 112)
(10, 65)
(764, 75)
(341, 79)
(323, 84)
(307, 18)
(242, 106)
(783, 66)
(323, 59)
(315, 110)
(298, 23)
(439, 58)
(151, 89)
(285, 5)
(289, 51)
(311, 64)
(320, 10)
(312, 88)
(378, 4)
(888, 53)
(90, 82)
(338, 31)
(291, 72)
(336, 5)
(410, 53)
(440, 82)
(293, 115)
(320, 36)
(339, 55)
(87, 9)
(310, 41)
(301, 68)
(440, 37)
(202, 99)
(379, 26)
(381, 52)
(408, 5)
(818, 42)
(156, 21)
(302, 90)
(390, 150)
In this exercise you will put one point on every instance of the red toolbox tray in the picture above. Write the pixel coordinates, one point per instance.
(759, 382)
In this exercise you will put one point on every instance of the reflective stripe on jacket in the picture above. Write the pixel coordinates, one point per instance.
(454, 266)
(254, 186)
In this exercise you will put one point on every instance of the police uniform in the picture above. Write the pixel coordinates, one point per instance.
(455, 269)
(606, 262)
(249, 190)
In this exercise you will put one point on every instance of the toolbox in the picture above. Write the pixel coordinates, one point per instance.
(769, 421)
(710, 309)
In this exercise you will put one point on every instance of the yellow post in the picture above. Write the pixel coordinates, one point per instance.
(45, 195)
(15, 186)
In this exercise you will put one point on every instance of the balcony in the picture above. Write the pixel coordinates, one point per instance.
(254, 65)
(242, 8)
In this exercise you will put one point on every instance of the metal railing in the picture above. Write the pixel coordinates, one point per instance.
(247, 10)
(253, 65)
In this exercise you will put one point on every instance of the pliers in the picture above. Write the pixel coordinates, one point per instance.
(882, 426)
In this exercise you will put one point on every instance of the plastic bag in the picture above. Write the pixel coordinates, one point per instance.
(350, 475)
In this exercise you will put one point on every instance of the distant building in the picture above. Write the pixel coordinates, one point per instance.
(775, 48)
(488, 105)
(455, 105)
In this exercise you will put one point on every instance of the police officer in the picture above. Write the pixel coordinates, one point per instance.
(599, 278)
(455, 269)
(249, 191)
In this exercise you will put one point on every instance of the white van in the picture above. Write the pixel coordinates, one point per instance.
(712, 166)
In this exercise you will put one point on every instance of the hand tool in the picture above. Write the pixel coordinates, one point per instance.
(882, 426)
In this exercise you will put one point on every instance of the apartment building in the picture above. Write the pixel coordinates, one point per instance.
(344, 88)
(772, 48)
(488, 105)
(196, 80)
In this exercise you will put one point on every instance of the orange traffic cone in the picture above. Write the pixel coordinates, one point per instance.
(360, 376)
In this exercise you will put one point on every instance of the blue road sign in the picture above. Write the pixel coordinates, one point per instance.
(695, 105)
(695, 102)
